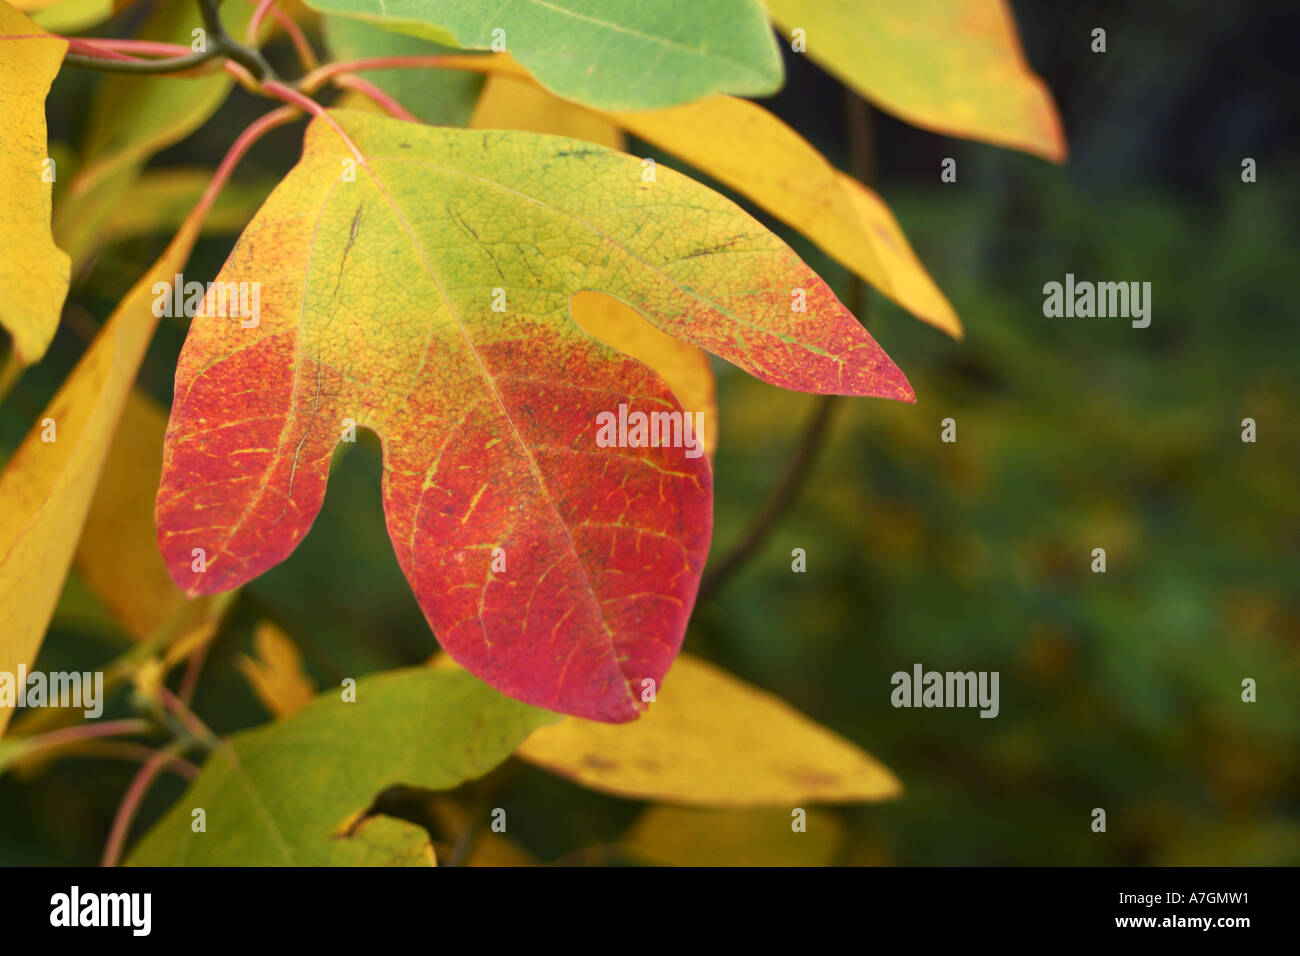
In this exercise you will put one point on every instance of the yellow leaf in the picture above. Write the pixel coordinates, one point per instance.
(508, 103)
(712, 740)
(118, 554)
(743, 145)
(952, 66)
(33, 271)
(683, 366)
(913, 287)
(276, 674)
(686, 836)
(47, 486)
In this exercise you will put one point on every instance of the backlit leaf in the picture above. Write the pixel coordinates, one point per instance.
(611, 55)
(953, 66)
(33, 271)
(743, 145)
(714, 741)
(377, 307)
(289, 792)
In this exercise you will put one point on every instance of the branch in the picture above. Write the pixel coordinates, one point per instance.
(219, 44)
(119, 64)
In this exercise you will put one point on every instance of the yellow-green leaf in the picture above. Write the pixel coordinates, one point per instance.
(71, 16)
(289, 792)
(616, 55)
(952, 66)
(743, 145)
(712, 740)
(33, 271)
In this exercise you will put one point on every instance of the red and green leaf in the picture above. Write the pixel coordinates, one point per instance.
(376, 306)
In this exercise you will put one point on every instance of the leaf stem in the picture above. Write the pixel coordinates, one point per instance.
(295, 98)
(135, 795)
(250, 59)
(372, 92)
(67, 735)
(103, 56)
(112, 62)
(306, 55)
(316, 78)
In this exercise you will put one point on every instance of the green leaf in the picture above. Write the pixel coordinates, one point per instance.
(610, 55)
(441, 97)
(286, 793)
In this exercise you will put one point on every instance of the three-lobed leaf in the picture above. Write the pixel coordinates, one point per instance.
(428, 300)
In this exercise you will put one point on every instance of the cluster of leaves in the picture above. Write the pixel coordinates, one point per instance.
(383, 260)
